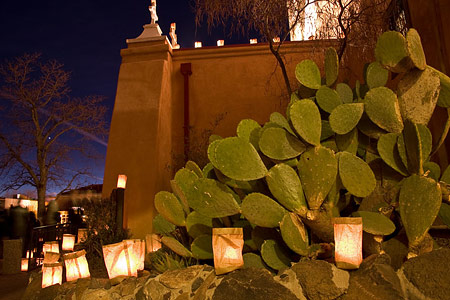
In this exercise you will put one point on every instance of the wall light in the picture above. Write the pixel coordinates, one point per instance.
(121, 181)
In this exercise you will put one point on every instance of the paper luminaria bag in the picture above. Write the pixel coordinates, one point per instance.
(124, 258)
(68, 242)
(227, 246)
(137, 254)
(76, 265)
(52, 246)
(51, 274)
(153, 242)
(348, 234)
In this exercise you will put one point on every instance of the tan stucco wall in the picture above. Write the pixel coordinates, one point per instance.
(146, 134)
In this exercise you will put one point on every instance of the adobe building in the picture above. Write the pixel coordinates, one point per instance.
(169, 100)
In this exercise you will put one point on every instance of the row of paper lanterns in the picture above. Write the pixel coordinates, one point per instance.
(127, 257)
(121, 259)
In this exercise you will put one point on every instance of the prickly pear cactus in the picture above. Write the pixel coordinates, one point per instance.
(336, 149)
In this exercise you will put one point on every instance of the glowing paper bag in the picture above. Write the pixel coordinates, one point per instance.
(153, 242)
(348, 234)
(68, 242)
(118, 260)
(51, 274)
(227, 247)
(76, 265)
(52, 246)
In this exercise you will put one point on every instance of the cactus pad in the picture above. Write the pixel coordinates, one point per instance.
(162, 226)
(415, 49)
(326, 130)
(392, 52)
(201, 247)
(191, 165)
(294, 234)
(274, 255)
(262, 210)
(444, 94)
(331, 66)
(418, 93)
(356, 175)
(327, 98)
(317, 168)
(237, 158)
(348, 142)
(170, 208)
(279, 119)
(446, 175)
(305, 118)
(387, 148)
(381, 105)
(208, 171)
(345, 92)
(413, 146)
(181, 185)
(252, 260)
(375, 223)
(433, 169)
(176, 246)
(248, 129)
(197, 224)
(444, 214)
(279, 144)
(345, 117)
(376, 75)
(308, 74)
(212, 199)
(286, 187)
(419, 203)
(369, 128)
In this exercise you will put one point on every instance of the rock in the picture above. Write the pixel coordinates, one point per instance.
(321, 280)
(176, 279)
(100, 283)
(91, 294)
(290, 281)
(82, 285)
(427, 276)
(127, 287)
(153, 290)
(203, 290)
(375, 279)
(49, 292)
(251, 283)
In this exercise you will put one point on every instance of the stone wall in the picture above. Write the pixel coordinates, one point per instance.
(423, 277)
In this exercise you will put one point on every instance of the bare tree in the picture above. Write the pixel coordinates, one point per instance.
(348, 21)
(41, 125)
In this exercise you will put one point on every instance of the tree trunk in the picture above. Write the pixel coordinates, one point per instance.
(41, 202)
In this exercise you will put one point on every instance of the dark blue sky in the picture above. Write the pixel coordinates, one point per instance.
(87, 35)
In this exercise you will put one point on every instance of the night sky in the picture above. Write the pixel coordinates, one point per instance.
(87, 35)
